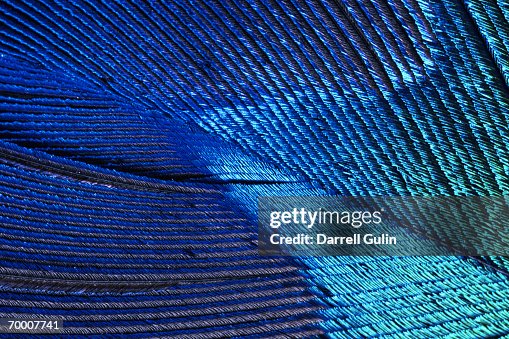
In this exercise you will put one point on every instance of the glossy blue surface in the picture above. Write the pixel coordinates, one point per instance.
(136, 136)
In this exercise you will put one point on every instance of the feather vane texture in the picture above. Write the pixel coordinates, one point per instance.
(136, 136)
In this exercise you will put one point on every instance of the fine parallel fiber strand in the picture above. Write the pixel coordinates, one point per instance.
(136, 136)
